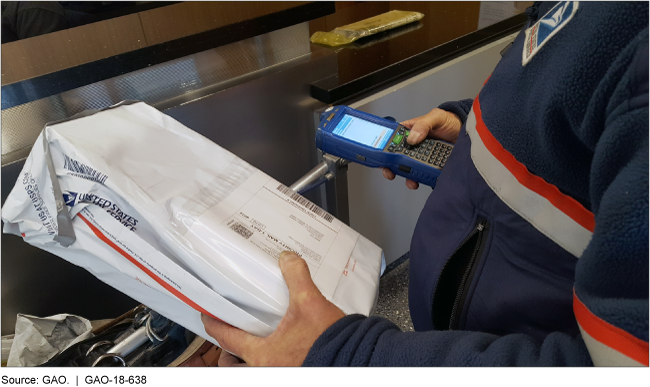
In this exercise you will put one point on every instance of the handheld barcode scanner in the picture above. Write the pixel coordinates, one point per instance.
(379, 142)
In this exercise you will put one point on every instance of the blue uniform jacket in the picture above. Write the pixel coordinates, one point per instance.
(533, 247)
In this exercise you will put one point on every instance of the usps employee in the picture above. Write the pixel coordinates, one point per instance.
(533, 247)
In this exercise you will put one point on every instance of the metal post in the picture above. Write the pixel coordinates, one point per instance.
(332, 171)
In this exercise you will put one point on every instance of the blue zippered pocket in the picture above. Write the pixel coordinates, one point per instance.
(456, 277)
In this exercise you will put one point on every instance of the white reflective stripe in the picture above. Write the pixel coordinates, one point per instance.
(604, 356)
(536, 209)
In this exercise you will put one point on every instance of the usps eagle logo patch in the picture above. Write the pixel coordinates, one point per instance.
(546, 27)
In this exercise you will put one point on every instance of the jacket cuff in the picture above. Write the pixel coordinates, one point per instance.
(326, 348)
(460, 108)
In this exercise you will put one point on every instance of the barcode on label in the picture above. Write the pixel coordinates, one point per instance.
(241, 230)
(305, 203)
(83, 171)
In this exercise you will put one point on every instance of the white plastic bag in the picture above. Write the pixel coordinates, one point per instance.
(39, 339)
(180, 224)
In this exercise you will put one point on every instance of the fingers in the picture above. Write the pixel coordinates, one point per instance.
(388, 174)
(410, 184)
(296, 274)
(423, 126)
(409, 123)
(229, 360)
(437, 123)
(229, 338)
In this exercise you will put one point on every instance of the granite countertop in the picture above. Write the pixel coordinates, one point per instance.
(393, 301)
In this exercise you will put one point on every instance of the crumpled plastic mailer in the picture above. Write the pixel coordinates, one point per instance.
(180, 224)
(39, 339)
(7, 341)
(351, 32)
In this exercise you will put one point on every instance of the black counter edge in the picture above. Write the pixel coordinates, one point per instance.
(47, 85)
(417, 63)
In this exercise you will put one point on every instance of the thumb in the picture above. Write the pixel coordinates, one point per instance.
(419, 131)
(296, 274)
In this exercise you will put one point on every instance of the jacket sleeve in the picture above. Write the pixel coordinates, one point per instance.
(357, 340)
(460, 108)
(611, 285)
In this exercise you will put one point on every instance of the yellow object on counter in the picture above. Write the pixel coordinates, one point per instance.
(351, 32)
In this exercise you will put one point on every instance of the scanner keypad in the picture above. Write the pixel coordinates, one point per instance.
(430, 151)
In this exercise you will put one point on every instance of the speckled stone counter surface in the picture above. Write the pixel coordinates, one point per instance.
(393, 302)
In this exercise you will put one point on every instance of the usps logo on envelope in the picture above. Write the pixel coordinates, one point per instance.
(70, 198)
(546, 27)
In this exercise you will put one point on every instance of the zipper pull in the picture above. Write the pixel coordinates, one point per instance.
(480, 227)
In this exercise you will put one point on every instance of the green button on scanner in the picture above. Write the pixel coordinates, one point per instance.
(397, 139)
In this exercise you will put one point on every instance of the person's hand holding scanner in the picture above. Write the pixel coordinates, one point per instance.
(308, 316)
(439, 124)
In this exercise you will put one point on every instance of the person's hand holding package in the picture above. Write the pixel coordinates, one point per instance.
(439, 124)
(308, 316)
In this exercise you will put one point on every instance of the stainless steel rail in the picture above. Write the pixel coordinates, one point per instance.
(325, 171)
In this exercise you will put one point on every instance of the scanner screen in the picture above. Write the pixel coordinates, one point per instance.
(362, 131)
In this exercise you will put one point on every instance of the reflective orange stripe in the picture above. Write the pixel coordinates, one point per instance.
(488, 78)
(609, 335)
(162, 283)
(571, 207)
